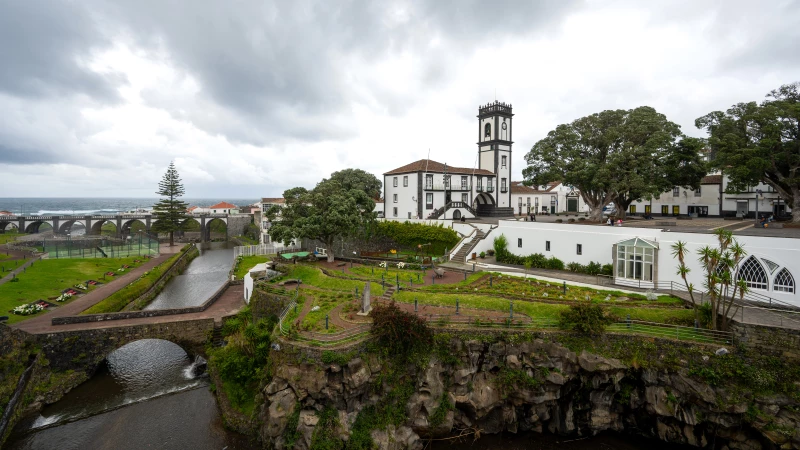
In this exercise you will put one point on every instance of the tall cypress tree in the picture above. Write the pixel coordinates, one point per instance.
(170, 212)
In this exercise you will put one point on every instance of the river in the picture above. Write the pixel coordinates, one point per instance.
(145, 394)
(204, 275)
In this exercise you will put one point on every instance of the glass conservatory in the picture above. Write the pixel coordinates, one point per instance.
(635, 262)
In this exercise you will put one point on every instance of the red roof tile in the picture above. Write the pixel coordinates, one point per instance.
(278, 200)
(223, 205)
(711, 179)
(430, 165)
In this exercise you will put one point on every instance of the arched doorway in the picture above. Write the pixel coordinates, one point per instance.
(457, 214)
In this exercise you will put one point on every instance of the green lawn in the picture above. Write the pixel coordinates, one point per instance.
(9, 237)
(47, 278)
(315, 320)
(247, 263)
(118, 300)
(315, 277)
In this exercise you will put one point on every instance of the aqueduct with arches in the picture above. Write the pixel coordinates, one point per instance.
(93, 224)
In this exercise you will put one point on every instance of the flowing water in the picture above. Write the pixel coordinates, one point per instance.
(145, 396)
(201, 279)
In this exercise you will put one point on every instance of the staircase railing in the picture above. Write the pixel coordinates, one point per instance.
(452, 205)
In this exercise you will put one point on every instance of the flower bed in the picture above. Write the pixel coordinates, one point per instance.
(27, 310)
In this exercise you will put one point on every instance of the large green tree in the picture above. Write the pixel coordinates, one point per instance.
(754, 143)
(170, 211)
(337, 207)
(615, 155)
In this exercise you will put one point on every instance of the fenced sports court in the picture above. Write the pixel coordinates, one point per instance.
(100, 247)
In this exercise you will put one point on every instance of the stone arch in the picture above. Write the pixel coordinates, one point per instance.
(133, 225)
(38, 226)
(6, 225)
(68, 225)
(216, 225)
(97, 227)
(85, 350)
(482, 199)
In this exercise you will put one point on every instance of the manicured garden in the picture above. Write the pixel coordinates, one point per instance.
(245, 263)
(533, 300)
(47, 279)
(9, 237)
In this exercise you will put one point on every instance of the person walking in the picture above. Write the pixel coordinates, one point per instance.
(609, 222)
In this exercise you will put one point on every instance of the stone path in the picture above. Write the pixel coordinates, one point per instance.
(42, 323)
(229, 303)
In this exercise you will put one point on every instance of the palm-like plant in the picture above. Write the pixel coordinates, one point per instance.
(679, 251)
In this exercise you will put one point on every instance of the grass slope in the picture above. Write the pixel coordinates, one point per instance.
(47, 278)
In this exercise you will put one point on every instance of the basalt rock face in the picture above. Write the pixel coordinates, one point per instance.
(532, 386)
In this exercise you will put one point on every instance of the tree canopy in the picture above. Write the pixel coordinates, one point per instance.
(617, 155)
(170, 211)
(337, 207)
(753, 143)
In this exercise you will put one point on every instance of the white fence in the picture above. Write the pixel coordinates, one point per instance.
(260, 250)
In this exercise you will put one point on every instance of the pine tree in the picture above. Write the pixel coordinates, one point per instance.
(170, 212)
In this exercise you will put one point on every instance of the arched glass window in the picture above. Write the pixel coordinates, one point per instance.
(753, 274)
(635, 259)
(784, 282)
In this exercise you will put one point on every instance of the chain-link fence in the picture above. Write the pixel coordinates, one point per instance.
(101, 247)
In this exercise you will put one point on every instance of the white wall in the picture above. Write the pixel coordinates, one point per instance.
(405, 195)
(597, 243)
(709, 197)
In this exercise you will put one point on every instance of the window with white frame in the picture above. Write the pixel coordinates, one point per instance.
(579, 249)
(547, 246)
(529, 201)
(784, 282)
(394, 181)
(697, 191)
(464, 183)
(676, 191)
(635, 259)
(489, 184)
(479, 183)
(394, 197)
(405, 181)
(503, 161)
(394, 211)
(503, 187)
(428, 181)
(519, 242)
(753, 274)
(465, 197)
(429, 201)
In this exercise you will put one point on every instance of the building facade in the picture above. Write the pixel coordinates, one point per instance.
(642, 257)
(430, 189)
(550, 198)
(703, 202)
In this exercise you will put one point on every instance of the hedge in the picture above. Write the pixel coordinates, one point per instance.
(539, 261)
(410, 235)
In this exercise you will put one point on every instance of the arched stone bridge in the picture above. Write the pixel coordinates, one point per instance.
(63, 224)
(84, 350)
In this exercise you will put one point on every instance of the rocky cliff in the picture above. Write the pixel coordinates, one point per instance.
(539, 385)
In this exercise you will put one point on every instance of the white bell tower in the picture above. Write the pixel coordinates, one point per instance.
(494, 148)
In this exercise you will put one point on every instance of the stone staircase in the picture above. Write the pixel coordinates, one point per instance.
(216, 336)
(461, 255)
(388, 293)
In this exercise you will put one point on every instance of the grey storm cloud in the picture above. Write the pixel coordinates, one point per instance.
(41, 44)
(268, 63)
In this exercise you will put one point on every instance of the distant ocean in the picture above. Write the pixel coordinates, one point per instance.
(66, 206)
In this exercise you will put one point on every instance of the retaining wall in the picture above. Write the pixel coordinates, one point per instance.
(770, 339)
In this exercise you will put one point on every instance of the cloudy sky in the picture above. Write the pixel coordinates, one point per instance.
(251, 97)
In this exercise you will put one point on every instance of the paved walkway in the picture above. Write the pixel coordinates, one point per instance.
(90, 299)
(229, 303)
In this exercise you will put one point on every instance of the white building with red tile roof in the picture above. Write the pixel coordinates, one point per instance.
(431, 189)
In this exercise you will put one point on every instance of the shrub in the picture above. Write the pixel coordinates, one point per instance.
(559, 220)
(593, 268)
(555, 263)
(571, 220)
(407, 234)
(490, 252)
(483, 255)
(398, 332)
(584, 318)
(607, 269)
(575, 267)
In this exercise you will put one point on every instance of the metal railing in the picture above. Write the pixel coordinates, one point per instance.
(254, 250)
(677, 332)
